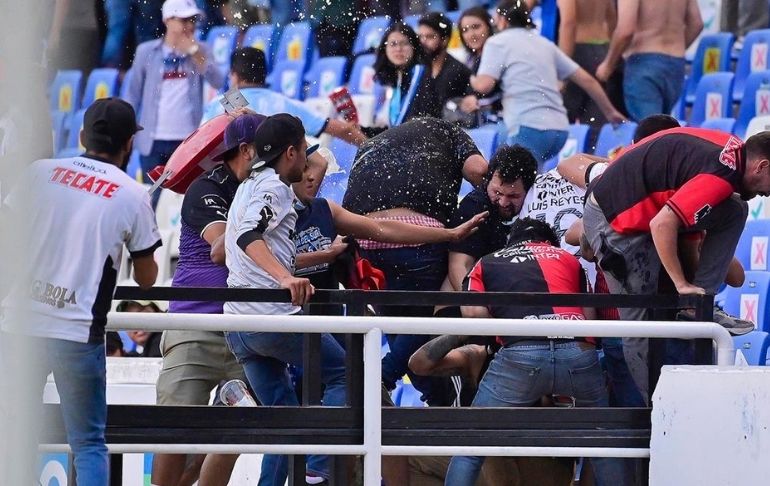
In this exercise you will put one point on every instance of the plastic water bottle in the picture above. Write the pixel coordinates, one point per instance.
(235, 394)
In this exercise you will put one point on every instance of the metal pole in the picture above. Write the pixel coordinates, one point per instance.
(372, 407)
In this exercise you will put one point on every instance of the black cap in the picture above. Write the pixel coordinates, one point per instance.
(108, 123)
(438, 22)
(275, 135)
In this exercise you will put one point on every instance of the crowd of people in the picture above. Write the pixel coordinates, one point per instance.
(664, 216)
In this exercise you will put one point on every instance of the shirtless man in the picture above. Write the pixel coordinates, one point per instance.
(653, 34)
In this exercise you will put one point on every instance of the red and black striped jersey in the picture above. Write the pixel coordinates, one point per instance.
(690, 170)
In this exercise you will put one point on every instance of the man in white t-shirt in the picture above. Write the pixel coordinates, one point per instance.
(260, 253)
(72, 218)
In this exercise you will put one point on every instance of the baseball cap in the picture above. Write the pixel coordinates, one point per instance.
(240, 130)
(181, 9)
(108, 123)
(274, 136)
(438, 22)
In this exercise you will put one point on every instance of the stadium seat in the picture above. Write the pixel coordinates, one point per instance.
(326, 75)
(125, 83)
(756, 100)
(612, 139)
(713, 55)
(752, 248)
(549, 20)
(750, 300)
(412, 21)
(759, 208)
(713, 98)
(756, 125)
(753, 346)
(73, 131)
(296, 44)
(259, 37)
(134, 167)
(222, 41)
(65, 91)
(344, 152)
(59, 130)
(102, 83)
(334, 186)
(576, 143)
(169, 211)
(286, 78)
(485, 139)
(370, 34)
(753, 58)
(362, 75)
(406, 395)
(68, 152)
(723, 124)
(455, 42)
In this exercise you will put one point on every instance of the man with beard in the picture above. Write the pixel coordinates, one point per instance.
(451, 78)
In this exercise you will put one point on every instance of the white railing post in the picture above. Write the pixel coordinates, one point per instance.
(372, 407)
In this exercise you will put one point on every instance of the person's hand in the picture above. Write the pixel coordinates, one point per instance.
(241, 111)
(301, 289)
(337, 248)
(184, 43)
(469, 227)
(687, 288)
(603, 72)
(616, 118)
(469, 104)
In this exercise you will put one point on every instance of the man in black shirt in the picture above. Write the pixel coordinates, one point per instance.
(451, 78)
(511, 174)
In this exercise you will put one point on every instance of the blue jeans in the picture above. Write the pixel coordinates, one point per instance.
(79, 370)
(543, 144)
(623, 391)
(519, 375)
(159, 155)
(264, 356)
(123, 16)
(652, 83)
(418, 268)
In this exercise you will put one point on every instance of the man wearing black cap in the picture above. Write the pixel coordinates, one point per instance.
(450, 76)
(71, 218)
(260, 253)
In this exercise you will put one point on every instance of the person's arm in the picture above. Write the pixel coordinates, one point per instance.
(214, 235)
(628, 12)
(567, 26)
(300, 288)
(483, 83)
(664, 228)
(575, 167)
(596, 92)
(474, 169)
(459, 266)
(398, 232)
(349, 132)
(440, 357)
(735, 273)
(327, 255)
(145, 271)
(693, 22)
(475, 311)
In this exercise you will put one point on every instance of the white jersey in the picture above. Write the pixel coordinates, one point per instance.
(265, 204)
(74, 215)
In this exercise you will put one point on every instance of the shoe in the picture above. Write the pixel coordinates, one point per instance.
(313, 479)
(735, 326)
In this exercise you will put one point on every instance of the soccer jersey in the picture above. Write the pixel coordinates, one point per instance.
(315, 231)
(73, 216)
(265, 204)
(690, 170)
(492, 233)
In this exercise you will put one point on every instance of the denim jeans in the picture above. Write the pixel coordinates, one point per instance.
(418, 268)
(159, 155)
(264, 356)
(519, 375)
(79, 370)
(652, 83)
(623, 391)
(544, 144)
(123, 16)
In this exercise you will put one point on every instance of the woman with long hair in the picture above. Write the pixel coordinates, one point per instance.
(475, 26)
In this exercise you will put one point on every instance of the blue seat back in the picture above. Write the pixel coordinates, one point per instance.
(406, 395)
(750, 300)
(344, 152)
(260, 37)
(370, 33)
(485, 139)
(610, 139)
(73, 131)
(326, 75)
(753, 58)
(65, 91)
(287, 78)
(412, 21)
(756, 100)
(752, 249)
(102, 83)
(712, 55)
(753, 346)
(222, 41)
(726, 125)
(362, 75)
(713, 98)
(296, 44)
(334, 186)
(59, 129)
(576, 143)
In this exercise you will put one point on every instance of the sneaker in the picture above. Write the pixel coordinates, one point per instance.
(735, 326)
(311, 478)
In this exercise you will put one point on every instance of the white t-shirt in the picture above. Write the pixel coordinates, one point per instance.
(262, 202)
(175, 106)
(529, 68)
(73, 217)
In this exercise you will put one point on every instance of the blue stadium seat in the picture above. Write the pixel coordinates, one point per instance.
(412, 21)
(753, 346)
(124, 85)
(259, 37)
(750, 300)
(713, 55)
(369, 34)
(713, 98)
(68, 152)
(611, 139)
(334, 186)
(65, 91)
(756, 100)
(726, 125)
(754, 57)
(59, 129)
(286, 78)
(362, 75)
(406, 395)
(102, 83)
(344, 152)
(75, 125)
(752, 249)
(576, 143)
(326, 75)
(485, 139)
(222, 41)
(296, 44)
(549, 20)
(134, 167)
